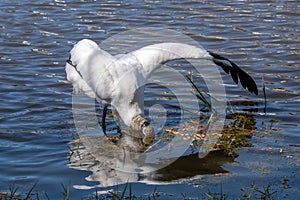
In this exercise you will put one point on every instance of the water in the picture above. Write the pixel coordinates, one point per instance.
(37, 128)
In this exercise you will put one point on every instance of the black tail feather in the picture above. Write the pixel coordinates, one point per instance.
(236, 72)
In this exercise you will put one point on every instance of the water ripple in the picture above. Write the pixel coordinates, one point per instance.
(36, 121)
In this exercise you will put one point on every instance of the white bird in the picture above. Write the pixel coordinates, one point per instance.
(118, 80)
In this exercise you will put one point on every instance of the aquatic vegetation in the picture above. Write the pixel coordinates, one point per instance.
(236, 134)
(267, 192)
(239, 129)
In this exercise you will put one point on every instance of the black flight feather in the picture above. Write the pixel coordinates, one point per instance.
(236, 72)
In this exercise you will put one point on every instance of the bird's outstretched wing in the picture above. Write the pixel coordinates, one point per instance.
(153, 56)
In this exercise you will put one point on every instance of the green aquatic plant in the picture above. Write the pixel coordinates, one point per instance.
(265, 95)
(14, 193)
(265, 193)
(216, 195)
(197, 92)
(236, 134)
(66, 191)
(254, 192)
(237, 130)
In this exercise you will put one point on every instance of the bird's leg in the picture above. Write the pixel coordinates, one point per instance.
(119, 130)
(103, 124)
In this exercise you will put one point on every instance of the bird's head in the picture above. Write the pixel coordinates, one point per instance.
(141, 124)
(82, 51)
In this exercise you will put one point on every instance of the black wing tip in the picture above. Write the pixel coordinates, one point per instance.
(236, 73)
(252, 89)
(255, 91)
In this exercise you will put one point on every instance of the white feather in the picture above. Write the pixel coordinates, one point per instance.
(119, 80)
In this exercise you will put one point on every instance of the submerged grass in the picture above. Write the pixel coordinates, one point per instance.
(265, 95)
(252, 192)
(236, 134)
(239, 127)
(14, 193)
(66, 191)
(200, 95)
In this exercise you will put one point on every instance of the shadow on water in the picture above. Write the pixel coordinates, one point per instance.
(191, 166)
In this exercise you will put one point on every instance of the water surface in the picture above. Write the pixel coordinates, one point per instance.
(37, 128)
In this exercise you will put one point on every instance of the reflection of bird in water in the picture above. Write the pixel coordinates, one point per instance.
(110, 169)
(112, 164)
(119, 80)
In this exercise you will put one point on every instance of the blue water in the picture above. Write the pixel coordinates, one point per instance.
(37, 129)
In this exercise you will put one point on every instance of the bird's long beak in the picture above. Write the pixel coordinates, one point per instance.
(141, 124)
(69, 61)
